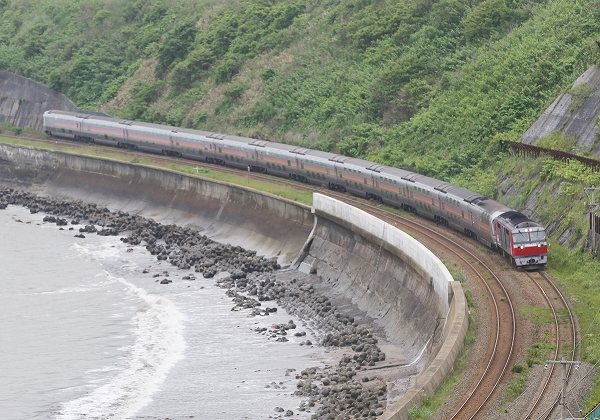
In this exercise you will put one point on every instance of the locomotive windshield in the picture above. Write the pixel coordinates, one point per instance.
(526, 237)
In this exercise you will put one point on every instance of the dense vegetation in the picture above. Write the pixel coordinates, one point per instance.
(420, 83)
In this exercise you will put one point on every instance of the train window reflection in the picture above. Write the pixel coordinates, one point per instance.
(538, 236)
(523, 237)
(520, 237)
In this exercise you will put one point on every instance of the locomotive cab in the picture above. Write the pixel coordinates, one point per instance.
(522, 239)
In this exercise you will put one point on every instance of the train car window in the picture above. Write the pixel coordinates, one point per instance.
(302, 165)
(327, 171)
(520, 237)
(289, 163)
(365, 180)
(537, 236)
(106, 137)
(220, 150)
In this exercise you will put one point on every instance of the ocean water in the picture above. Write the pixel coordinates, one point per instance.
(84, 333)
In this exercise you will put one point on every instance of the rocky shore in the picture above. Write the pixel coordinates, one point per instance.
(347, 391)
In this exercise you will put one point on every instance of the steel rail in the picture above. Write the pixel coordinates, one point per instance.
(546, 414)
(556, 349)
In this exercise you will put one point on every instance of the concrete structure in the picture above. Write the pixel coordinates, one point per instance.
(225, 212)
(399, 283)
(23, 101)
(386, 272)
(582, 123)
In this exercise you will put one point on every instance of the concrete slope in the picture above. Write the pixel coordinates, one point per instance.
(227, 213)
(581, 124)
(24, 101)
(396, 281)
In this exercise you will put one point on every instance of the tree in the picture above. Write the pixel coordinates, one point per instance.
(488, 17)
(175, 45)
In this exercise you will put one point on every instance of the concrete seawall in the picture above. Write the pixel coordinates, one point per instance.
(399, 283)
(387, 273)
(227, 213)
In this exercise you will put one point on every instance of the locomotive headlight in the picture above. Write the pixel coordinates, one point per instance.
(521, 246)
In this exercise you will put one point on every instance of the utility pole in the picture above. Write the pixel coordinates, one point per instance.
(593, 207)
(564, 364)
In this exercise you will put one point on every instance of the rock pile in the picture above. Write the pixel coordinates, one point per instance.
(340, 396)
(342, 393)
(182, 247)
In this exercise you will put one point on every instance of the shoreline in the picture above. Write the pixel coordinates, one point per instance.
(352, 388)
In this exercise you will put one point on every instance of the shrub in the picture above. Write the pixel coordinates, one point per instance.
(234, 91)
(488, 16)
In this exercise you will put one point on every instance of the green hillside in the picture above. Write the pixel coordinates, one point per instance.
(418, 83)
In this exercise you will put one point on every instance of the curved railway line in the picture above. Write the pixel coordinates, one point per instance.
(498, 325)
(549, 395)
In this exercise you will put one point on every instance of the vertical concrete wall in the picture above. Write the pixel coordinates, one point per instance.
(398, 282)
(387, 273)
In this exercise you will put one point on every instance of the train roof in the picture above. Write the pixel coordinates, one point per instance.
(518, 219)
(442, 186)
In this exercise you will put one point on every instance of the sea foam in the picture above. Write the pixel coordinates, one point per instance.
(158, 345)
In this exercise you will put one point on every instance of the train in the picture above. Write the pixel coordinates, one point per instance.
(497, 226)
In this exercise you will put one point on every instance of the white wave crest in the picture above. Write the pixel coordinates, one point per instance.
(158, 345)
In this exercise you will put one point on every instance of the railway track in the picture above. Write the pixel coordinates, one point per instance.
(499, 349)
(496, 344)
(549, 395)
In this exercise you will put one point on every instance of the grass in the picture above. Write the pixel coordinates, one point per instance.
(517, 385)
(457, 274)
(536, 314)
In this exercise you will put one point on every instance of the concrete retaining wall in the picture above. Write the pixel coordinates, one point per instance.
(580, 123)
(399, 283)
(391, 276)
(227, 213)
